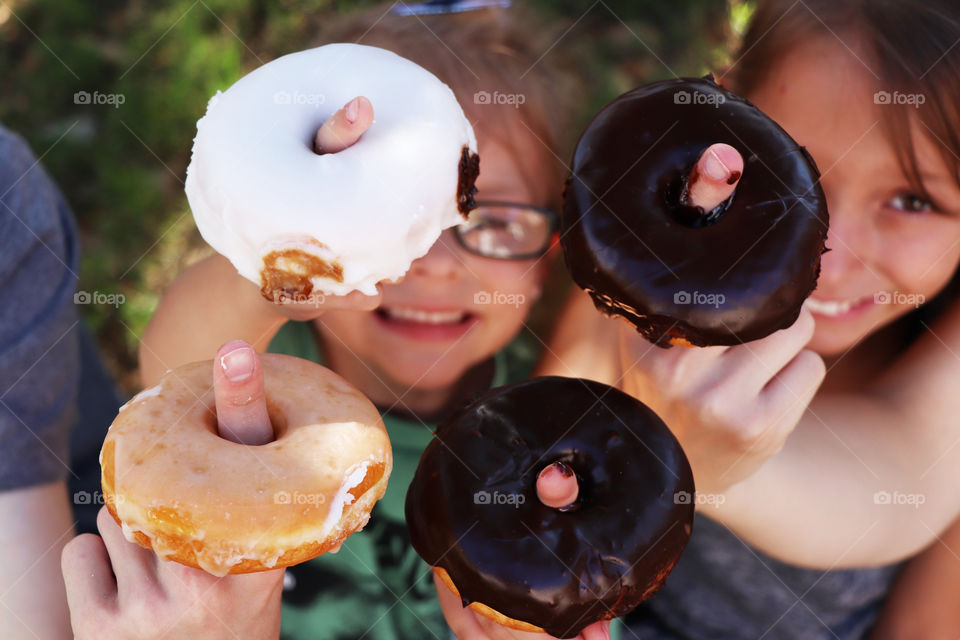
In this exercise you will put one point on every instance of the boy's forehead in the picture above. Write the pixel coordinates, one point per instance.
(500, 169)
(515, 153)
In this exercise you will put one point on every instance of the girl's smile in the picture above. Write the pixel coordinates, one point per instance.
(890, 247)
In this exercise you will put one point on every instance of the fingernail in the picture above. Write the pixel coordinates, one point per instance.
(238, 364)
(714, 167)
(352, 110)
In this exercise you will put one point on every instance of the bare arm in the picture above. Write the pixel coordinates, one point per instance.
(868, 478)
(207, 305)
(923, 604)
(36, 526)
(862, 479)
(845, 491)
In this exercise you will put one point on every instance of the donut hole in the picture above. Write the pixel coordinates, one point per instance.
(278, 421)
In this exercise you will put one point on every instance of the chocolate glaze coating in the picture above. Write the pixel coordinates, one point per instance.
(472, 507)
(631, 242)
(468, 169)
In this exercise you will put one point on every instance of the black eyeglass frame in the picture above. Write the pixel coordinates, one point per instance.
(553, 223)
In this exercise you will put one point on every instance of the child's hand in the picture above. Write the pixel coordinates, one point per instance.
(557, 487)
(118, 590)
(468, 625)
(731, 408)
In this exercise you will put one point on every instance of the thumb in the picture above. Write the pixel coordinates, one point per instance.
(345, 127)
(238, 390)
(715, 176)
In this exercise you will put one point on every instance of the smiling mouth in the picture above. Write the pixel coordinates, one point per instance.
(834, 308)
(421, 316)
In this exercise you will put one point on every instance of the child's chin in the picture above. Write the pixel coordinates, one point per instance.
(425, 376)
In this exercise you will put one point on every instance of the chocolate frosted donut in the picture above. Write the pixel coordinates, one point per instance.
(474, 515)
(679, 274)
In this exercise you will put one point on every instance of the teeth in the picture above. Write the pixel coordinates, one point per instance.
(830, 307)
(429, 317)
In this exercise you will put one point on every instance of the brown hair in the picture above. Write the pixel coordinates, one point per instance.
(908, 44)
(481, 54)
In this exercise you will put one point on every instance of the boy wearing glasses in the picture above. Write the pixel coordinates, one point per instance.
(453, 326)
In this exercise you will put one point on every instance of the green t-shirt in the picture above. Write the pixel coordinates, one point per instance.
(376, 586)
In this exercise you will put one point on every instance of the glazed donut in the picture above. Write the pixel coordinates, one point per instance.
(474, 514)
(681, 275)
(294, 221)
(177, 487)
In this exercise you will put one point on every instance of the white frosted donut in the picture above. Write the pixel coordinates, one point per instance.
(294, 221)
(177, 487)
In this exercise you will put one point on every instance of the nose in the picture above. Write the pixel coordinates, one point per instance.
(850, 241)
(442, 262)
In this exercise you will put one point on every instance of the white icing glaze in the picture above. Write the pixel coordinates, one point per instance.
(182, 485)
(255, 185)
(146, 393)
(353, 477)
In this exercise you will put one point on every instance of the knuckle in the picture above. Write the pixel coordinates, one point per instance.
(104, 519)
(669, 370)
(76, 548)
(198, 616)
(752, 437)
(752, 432)
(144, 619)
(716, 407)
(84, 546)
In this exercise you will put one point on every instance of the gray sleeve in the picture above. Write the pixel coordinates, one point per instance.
(39, 364)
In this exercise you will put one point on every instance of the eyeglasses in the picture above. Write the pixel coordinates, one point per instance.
(507, 230)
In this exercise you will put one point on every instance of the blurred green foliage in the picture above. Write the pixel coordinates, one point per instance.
(121, 166)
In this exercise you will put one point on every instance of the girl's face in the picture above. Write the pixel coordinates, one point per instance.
(453, 309)
(890, 250)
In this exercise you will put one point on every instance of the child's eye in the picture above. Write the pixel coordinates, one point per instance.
(911, 203)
